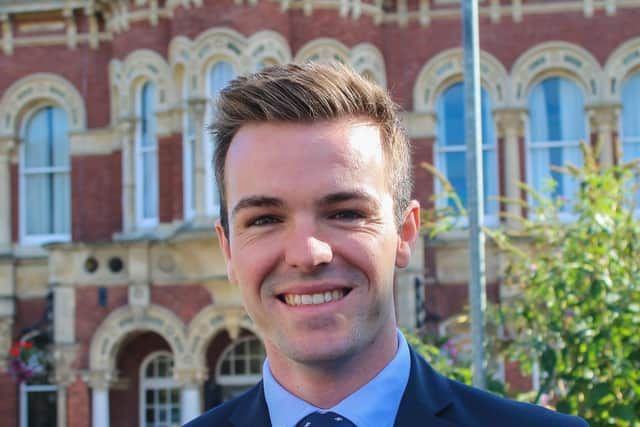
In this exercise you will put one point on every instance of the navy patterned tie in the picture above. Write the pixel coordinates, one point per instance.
(326, 419)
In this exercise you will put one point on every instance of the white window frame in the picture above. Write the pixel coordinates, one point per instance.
(189, 142)
(237, 379)
(24, 407)
(145, 384)
(490, 220)
(139, 152)
(212, 208)
(563, 216)
(37, 239)
(628, 140)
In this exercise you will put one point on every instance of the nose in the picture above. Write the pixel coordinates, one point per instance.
(305, 250)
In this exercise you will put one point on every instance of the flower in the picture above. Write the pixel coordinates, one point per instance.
(25, 361)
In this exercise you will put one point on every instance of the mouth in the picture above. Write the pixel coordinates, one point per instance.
(317, 298)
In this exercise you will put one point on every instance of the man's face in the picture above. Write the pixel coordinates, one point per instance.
(312, 238)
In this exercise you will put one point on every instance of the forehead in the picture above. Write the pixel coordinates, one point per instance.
(273, 156)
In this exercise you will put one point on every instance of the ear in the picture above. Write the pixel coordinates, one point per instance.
(226, 251)
(408, 234)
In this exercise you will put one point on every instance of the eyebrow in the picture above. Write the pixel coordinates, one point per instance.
(257, 202)
(345, 196)
(329, 199)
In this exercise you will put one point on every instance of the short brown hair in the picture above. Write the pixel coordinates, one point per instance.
(311, 93)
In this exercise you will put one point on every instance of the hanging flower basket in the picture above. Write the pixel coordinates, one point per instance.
(26, 361)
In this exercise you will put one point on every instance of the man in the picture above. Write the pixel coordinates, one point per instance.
(314, 173)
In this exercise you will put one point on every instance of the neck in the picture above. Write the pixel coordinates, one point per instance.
(325, 384)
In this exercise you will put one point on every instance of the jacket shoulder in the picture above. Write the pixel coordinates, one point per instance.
(249, 403)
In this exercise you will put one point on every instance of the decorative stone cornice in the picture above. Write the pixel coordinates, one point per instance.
(99, 379)
(6, 324)
(62, 358)
(603, 117)
(510, 121)
(190, 376)
(7, 144)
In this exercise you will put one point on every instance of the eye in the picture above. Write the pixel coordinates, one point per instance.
(346, 215)
(262, 221)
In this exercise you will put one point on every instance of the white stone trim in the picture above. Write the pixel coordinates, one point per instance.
(447, 68)
(556, 58)
(366, 57)
(267, 45)
(107, 339)
(324, 50)
(38, 89)
(621, 64)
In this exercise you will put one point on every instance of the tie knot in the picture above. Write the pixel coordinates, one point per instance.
(325, 419)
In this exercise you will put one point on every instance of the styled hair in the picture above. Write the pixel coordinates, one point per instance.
(311, 93)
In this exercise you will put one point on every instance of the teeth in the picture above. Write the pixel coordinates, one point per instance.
(313, 299)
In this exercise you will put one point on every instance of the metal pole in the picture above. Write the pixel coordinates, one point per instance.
(475, 197)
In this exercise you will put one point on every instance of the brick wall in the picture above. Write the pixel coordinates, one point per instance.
(9, 400)
(96, 197)
(79, 404)
(170, 177)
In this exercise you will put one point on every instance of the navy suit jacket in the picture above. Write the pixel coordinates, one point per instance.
(430, 400)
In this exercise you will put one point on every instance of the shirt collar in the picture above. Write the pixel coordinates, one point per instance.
(375, 403)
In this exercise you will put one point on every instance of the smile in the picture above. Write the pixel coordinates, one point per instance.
(314, 299)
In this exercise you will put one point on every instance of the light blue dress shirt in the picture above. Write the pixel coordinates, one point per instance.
(374, 404)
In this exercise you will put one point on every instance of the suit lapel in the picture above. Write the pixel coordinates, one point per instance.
(427, 395)
(251, 410)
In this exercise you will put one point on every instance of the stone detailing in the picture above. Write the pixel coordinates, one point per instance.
(556, 58)
(622, 63)
(188, 343)
(40, 89)
(187, 259)
(447, 68)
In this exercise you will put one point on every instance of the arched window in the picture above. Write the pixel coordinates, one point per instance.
(450, 156)
(45, 178)
(189, 153)
(219, 75)
(240, 366)
(557, 124)
(630, 121)
(147, 158)
(159, 393)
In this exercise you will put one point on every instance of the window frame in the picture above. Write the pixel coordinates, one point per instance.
(490, 219)
(165, 383)
(211, 207)
(547, 145)
(139, 152)
(238, 379)
(189, 142)
(25, 389)
(24, 237)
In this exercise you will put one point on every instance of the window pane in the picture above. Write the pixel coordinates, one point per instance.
(61, 203)
(631, 118)
(38, 140)
(456, 174)
(147, 115)
(162, 396)
(38, 204)
(150, 184)
(41, 408)
(60, 137)
(451, 113)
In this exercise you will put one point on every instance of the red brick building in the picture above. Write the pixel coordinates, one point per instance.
(108, 259)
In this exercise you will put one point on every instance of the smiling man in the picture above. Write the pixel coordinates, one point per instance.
(314, 172)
